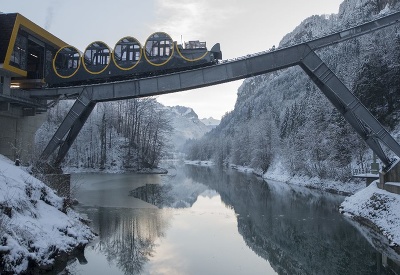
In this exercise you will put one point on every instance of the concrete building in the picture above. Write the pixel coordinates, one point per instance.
(26, 54)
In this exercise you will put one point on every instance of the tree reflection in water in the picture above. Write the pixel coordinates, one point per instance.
(299, 231)
(156, 194)
(127, 236)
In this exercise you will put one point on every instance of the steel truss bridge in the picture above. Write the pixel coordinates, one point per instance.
(303, 55)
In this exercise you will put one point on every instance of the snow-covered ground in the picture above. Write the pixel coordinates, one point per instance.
(35, 225)
(276, 173)
(377, 209)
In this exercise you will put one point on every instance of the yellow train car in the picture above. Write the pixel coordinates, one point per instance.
(26, 51)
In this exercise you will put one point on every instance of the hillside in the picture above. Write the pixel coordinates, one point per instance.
(125, 135)
(282, 121)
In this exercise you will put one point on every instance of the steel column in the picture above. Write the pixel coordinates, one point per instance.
(365, 124)
(70, 126)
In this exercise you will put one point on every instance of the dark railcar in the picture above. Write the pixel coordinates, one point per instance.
(98, 64)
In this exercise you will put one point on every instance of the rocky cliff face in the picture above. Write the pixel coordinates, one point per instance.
(184, 112)
(353, 11)
(186, 126)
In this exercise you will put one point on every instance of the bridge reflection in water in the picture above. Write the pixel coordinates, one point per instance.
(296, 230)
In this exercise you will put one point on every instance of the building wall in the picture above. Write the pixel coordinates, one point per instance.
(17, 134)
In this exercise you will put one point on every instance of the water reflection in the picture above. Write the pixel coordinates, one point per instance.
(126, 238)
(156, 194)
(176, 191)
(299, 231)
(295, 230)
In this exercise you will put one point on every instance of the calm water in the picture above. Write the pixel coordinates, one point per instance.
(204, 221)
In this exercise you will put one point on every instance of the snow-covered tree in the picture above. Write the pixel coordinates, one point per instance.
(285, 117)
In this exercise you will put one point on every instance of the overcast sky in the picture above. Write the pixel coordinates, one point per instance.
(242, 27)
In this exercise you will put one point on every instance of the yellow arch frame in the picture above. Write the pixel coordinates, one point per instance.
(188, 59)
(36, 30)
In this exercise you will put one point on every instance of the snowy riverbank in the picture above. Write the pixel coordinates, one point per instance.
(35, 224)
(379, 210)
(277, 174)
(370, 207)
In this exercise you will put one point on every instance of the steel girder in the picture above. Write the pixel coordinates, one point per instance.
(70, 127)
(363, 122)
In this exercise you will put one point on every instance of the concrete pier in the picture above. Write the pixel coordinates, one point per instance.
(17, 133)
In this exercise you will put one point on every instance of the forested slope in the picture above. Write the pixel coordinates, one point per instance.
(130, 134)
(283, 119)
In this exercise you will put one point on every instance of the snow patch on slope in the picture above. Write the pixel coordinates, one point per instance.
(34, 224)
(378, 206)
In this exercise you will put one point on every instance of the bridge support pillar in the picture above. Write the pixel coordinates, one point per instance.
(17, 134)
(390, 180)
(5, 85)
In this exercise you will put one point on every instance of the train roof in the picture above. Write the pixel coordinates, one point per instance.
(12, 25)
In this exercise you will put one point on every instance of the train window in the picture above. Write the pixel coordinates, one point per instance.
(154, 51)
(159, 48)
(97, 57)
(127, 53)
(66, 61)
(19, 53)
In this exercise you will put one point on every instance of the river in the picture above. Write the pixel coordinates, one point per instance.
(200, 220)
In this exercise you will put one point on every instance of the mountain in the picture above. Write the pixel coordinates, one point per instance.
(210, 121)
(283, 120)
(187, 125)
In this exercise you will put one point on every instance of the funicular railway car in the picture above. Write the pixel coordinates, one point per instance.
(99, 64)
(33, 58)
(26, 51)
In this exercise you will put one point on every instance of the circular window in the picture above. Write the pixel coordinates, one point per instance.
(67, 62)
(159, 48)
(96, 57)
(127, 53)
